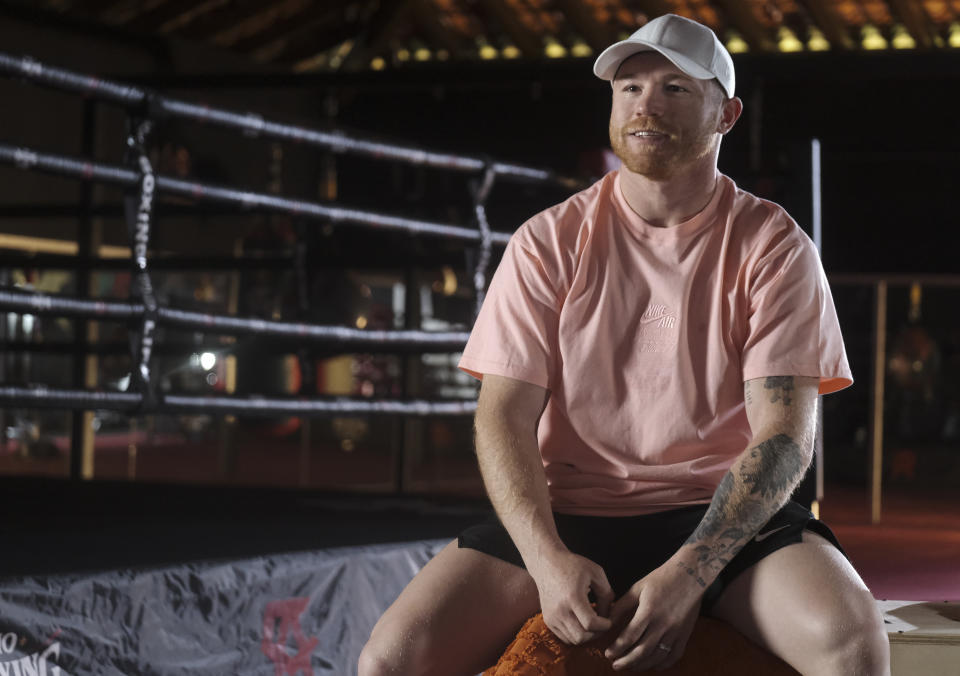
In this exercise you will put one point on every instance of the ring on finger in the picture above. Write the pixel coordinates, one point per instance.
(664, 647)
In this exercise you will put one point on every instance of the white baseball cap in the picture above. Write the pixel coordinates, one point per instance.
(690, 46)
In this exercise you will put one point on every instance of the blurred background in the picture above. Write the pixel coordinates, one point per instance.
(875, 82)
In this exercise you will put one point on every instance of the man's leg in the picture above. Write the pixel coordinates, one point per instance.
(455, 617)
(806, 604)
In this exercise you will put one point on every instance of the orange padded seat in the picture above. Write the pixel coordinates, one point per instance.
(715, 649)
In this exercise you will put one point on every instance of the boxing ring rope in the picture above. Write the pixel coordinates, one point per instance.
(141, 184)
(61, 165)
(45, 304)
(132, 402)
(252, 123)
(59, 306)
(42, 261)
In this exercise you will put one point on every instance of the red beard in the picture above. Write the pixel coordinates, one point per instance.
(660, 161)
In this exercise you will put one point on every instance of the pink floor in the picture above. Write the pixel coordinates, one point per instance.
(913, 553)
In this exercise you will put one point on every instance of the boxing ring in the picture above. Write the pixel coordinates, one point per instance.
(144, 108)
(170, 609)
(295, 582)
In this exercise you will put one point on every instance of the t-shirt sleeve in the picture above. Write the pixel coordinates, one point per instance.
(515, 334)
(792, 326)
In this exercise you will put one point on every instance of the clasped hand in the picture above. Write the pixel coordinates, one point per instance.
(564, 581)
(662, 609)
(654, 618)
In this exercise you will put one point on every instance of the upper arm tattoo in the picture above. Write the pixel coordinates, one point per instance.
(781, 389)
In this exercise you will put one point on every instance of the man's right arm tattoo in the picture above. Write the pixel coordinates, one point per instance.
(757, 485)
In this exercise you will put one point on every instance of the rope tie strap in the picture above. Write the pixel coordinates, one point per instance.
(486, 235)
(139, 213)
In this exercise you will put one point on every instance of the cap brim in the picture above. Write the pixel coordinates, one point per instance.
(605, 67)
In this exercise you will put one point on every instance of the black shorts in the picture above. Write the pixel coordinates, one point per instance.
(629, 547)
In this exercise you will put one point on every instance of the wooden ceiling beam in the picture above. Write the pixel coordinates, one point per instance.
(81, 22)
(527, 42)
(377, 33)
(581, 16)
(93, 7)
(154, 19)
(120, 13)
(913, 18)
(313, 16)
(309, 42)
(748, 25)
(225, 19)
(424, 13)
(264, 20)
(827, 20)
(653, 8)
(205, 26)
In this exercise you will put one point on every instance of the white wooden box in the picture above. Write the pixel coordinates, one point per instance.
(924, 637)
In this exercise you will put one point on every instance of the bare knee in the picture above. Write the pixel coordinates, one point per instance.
(373, 663)
(858, 646)
(455, 616)
(397, 649)
(383, 658)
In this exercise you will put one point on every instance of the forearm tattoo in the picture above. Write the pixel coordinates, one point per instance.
(748, 496)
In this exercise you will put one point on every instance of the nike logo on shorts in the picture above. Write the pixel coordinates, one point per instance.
(763, 536)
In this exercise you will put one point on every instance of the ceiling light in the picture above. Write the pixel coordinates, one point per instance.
(902, 38)
(872, 39)
(554, 49)
(485, 49)
(954, 38)
(818, 41)
(581, 49)
(377, 63)
(787, 41)
(736, 44)
(511, 52)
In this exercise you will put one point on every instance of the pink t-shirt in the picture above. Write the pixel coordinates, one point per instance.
(645, 335)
